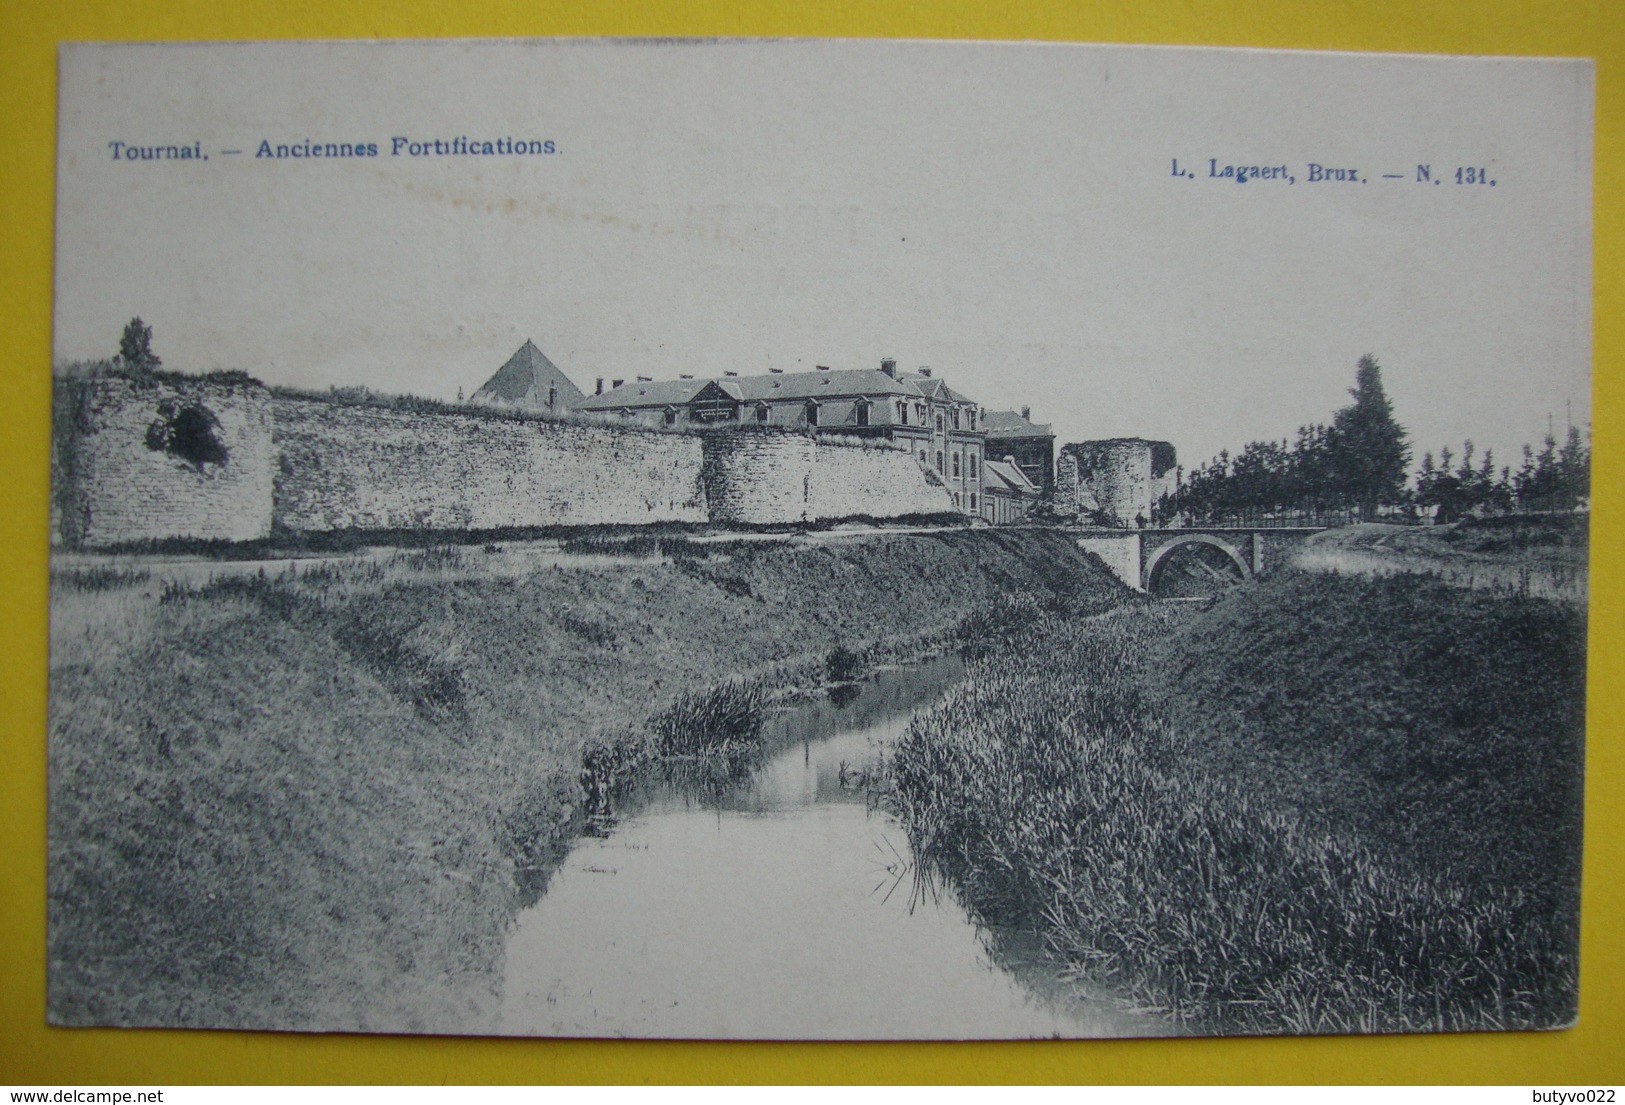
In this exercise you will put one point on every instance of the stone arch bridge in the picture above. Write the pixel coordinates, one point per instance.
(1137, 556)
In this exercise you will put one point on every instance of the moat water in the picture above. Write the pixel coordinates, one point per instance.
(781, 907)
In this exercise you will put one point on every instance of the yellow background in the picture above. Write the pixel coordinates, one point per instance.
(1592, 1053)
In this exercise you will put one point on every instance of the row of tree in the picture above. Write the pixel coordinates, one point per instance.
(1556, 478)
(1358, 466)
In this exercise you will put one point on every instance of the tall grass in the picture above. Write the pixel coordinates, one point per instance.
(723, 719)
(99, 577)
(1158, 860)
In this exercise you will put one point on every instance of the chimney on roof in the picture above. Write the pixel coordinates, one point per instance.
(730, 374)
(615, 384)
(925, 370)
(600, 390)
(645, 379)
(822, 367)
(685, 376)
(776, 371)
(1026, 414)
(888, 365)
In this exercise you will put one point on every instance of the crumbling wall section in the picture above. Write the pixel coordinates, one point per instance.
(1117, 482)
(138, 458)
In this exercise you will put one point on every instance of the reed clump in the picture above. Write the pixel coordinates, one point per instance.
(725, 719)
(1170, 864)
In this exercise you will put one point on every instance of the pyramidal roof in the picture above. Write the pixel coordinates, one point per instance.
(527, 380)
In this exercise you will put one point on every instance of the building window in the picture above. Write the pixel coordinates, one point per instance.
(902, 414)
(923, 461)
(956, 500)
(973, 466)
(956, 466)
(939, 422)
(761, 413)
(940, 469)
(919, 413)
(812, 414)
(956, 418)
(973, 502)
(552, 397)
(671, 416)
(971, 414)
(863, 412)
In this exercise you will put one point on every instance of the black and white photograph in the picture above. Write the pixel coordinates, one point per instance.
(817, 539)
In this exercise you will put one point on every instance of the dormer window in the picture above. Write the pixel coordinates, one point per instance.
(762, 413)
(671, 416)
(714, 404)
(862, 411)
(812, 414)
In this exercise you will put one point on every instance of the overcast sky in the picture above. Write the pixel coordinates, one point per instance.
(1005, 214)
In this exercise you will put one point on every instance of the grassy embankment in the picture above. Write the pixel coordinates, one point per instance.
(1325, 805)
(300, 800)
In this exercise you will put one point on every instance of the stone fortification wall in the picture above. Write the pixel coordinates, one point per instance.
(358, 467)
(764, 478)
(139, 458)
(758, 478)
(877, 480)
(1116, 481)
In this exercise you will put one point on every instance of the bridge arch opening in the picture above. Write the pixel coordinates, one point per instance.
(1208, 559)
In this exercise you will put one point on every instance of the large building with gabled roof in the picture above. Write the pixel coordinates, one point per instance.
(1014, 435)
(940, 427)
(531, 381)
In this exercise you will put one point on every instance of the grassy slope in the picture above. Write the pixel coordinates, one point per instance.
(1447, 724)
(297, 803)
(1325, 805)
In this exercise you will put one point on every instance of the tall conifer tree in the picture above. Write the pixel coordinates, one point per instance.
(1370, 455)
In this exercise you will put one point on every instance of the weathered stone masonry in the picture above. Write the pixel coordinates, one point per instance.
(756, 477)
(345, 467)
(137, 460)
(1117, 481)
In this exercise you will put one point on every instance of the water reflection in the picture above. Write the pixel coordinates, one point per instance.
(778, 907)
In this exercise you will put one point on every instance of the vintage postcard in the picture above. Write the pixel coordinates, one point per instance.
(818, 540)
